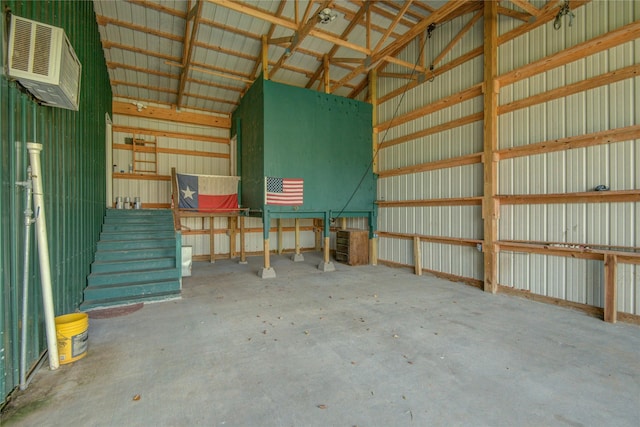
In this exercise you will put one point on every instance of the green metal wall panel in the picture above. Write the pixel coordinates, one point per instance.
(73, 169)
(300, 133)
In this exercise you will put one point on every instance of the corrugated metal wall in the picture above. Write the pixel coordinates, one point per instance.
(463, 181)
(73, 164)
(616, 165)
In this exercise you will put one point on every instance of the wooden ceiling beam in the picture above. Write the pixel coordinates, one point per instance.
(415, 15)
(350, 16)
(216, 85)
(475, 18)
(385, 13)
(210, 98)
(357, 18)
(527, 7)
(171, 114)
(220, 49)
(397, 45)
(226, 28)
(117, 98)
(141, 86)
(272, 29)
(256, 13)
(421, 4)
(393, 24)
(300, 35)
(108, 45)
(142, 70)
(105, 20)
(191, 30)
(525, 17)
(158, 7)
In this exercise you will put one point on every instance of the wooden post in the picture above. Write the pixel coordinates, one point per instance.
(373, 91)
(265, 57)
(417, 255)
(610, 288)
(490, 204)
(297, 237)
(243, 255)
(280, 245)
(317, 223)
(267, 261)
(175, 200)
(212, 245)
(233, 231)
(343, 223)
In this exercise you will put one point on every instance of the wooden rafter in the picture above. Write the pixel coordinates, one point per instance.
(527, 7)
(513, 13)
(352, 24)
(109, 45)
(393, 24)
(300, 34)
(457, 38)
(191, 30)
(105, 20)
(160, 8)
(398, 44)
(142, 70)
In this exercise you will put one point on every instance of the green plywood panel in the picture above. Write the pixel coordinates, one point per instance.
(324, 139)
(299, 133)
(248, 124)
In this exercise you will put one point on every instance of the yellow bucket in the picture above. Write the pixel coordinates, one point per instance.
(72, 331)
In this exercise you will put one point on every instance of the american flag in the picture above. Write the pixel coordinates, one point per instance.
(284, 191)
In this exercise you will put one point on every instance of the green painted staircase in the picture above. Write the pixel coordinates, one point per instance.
(138, 259)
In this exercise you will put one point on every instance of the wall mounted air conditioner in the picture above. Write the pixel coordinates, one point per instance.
(41, 58)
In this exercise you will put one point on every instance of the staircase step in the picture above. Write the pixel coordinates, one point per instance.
(99, 279)
(135, 226)
(131, 289)
(89, 305)
(135, 235)
(131, 265)
(131, 254)
(118, 245)
(165, 213)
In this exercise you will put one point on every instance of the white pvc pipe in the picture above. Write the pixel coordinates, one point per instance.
(43, 250)
(25, 279)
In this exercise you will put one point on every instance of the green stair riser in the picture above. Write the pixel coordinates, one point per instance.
(169, 251)
(110, 228)
(98, 279)
(95, 304)
(132, 265)
(93, 293)
(135, 235)
(117, 245)
(137, 214)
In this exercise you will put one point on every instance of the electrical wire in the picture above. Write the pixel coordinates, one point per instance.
(393, 117)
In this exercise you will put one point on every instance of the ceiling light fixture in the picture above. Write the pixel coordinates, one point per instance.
(326, 15)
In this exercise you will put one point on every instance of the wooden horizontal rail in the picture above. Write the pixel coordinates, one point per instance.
(434, 129)
(171, 151)
(446, 102)
(459, 241)
(564, 91)
(571, 252)
(469, 159)
(560, 198)
(456, 201)
(171, 114)
(169, 134)
(222, 230)
(452, 277)
(628, 133)
(606, 41)
(590, 246)
(142, 177)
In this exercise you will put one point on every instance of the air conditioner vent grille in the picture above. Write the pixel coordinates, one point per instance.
(42, 50)
(22, 46)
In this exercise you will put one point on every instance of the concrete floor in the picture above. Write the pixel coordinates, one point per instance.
(362, 346)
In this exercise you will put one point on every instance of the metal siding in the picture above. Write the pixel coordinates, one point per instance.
(615, 165)
(73, 164)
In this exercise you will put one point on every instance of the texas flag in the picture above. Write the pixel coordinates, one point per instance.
(208, 193)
